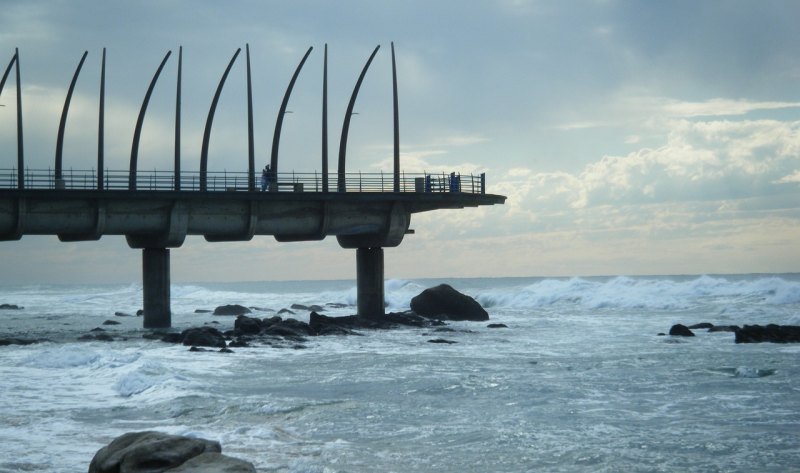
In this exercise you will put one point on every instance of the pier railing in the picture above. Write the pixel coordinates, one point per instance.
(224, 181)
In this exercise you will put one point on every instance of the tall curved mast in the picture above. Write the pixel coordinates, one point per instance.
(209, 121)
(137, 133)
(346, 125)
(276, 138)
(62, 125)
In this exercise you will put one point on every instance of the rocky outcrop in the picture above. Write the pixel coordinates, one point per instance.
(231, 309)
(679, 330)
(156, 452)
(768, 333)
(203, 337)
(444, 302)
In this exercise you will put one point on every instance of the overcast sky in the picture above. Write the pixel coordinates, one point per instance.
(631, 137)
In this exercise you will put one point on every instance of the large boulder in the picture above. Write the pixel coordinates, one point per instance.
(156, 452)
(203, 337)
(444, 302)
(680, 330)
(231, 309)
(245, 325)
(768, 333)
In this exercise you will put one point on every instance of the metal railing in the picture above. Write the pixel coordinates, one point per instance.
(224, 181)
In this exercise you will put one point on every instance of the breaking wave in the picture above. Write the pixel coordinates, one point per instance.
(645, 293)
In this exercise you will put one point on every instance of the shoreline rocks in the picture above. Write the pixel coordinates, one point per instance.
(156, 452)
(771, 333)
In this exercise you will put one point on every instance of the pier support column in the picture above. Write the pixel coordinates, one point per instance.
(369, 277)
(155, 282)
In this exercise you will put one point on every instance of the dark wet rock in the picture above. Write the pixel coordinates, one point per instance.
(247, 325)
(679, 330)
(286, 331)
(211, 462)
(140, 312)
(199, 350)
(497, 326)
(724, 328)
(299, 307)
(238, 343)
(204, 337)
(296, 325)
(336, 305)
(324, 325)
(20, 341)
(444, 302)
(231, 309)
(156, 452)
(100, 337)
(97, 329)
(315, 307)
(171, 337)
(285, 311)
(202, 311)
(122, 314)
(111, 322)
(384, 322)
(442, 340)
(701, 325)
(10, 307)
(225, 350)
(275, 319)
(768, 333)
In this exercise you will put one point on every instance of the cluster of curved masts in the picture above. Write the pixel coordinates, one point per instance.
(274, 163)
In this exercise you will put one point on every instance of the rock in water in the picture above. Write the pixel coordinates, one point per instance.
(10, 307)
(679, 330)
(203, 337)
(444, 302)
(156, 452)
(768, 333)
(214, 463)
(231, 309)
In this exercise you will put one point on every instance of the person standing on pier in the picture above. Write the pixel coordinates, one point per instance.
(264, 178)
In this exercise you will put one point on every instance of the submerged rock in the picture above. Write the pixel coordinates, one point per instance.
(724, 328)
(10, 307)
(679, 330)
(768, 333)
(231, 309)
(701, 325)
(444, 302)
(442, 340)
(156, 452)
(497, 326)
(202, 311)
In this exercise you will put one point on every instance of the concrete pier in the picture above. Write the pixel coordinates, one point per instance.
(369, 281)
(155, 282)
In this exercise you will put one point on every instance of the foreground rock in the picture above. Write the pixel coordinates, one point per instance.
(156, 452)
(444, 302)
(768, 333)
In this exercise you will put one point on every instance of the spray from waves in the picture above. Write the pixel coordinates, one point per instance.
(644, 293)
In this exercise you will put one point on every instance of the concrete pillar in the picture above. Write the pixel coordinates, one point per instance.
(155, 282)
(369, 277)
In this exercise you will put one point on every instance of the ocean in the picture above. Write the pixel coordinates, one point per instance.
(580, 380)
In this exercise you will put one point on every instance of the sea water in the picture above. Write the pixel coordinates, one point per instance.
(580, 380)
